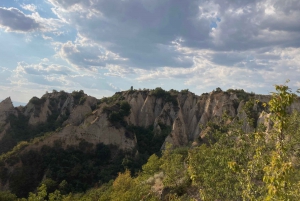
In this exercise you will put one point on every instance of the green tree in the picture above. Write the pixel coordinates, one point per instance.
(174, 169)
(7, 196)
(152, 166)
(279, 172)
(270, 172)
(126, 188)
(40, 195)
(208, 169)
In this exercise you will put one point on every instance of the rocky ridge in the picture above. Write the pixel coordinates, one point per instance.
(71, 119)
(82, 117)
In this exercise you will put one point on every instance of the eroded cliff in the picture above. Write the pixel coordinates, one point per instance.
(129, 121)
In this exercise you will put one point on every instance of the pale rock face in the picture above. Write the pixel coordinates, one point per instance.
(264, 119)
(263, 98)
(187, 115)
(95, 129)
(42, 116)
(78, 114)
(295, 105)
(136, 102)
(184, 118)
(198, 110)
(233, 97)
(243, 117)
(3, 130)
(68, 104)
(167, 115)
(102, 131)
(149, 111)
(178, 135)
(204, 136)
(146, 109)
(6, 109)
(39, 113)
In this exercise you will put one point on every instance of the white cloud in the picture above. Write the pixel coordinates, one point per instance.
(259, 75)
(43, 68)
(45, 76)
(196, 43)
(85, 53)
(112, 86)
(30, 7)
(14, 20)
(118, 71)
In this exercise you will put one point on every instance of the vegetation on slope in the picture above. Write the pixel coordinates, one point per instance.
(81, 167)
(21, 130)
(233, 166)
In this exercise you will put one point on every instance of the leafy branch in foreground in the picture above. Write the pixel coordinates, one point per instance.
(270, 172)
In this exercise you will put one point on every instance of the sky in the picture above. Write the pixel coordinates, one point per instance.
(105, 46)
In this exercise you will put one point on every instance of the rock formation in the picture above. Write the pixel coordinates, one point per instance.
(72, 118)
(83, 119)
(6, 109)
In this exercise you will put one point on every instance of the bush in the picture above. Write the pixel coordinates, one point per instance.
(184, 91)
(7, 196)
(82, 100)
(218, 89)
(252, 115)
(115, 117)
(110, 100)
(117, 112)
(241, 94)
(36, 101)
(125, 108)
(77, 95)
(159, 92)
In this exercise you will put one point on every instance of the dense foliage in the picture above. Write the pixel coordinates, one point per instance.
(117, 112)
(79, 97)
(149, 140)
(110, 100)
(74, 169)
(241, 94)
(20, 130)
(166, 95)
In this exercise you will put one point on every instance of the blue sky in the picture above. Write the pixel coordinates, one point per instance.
(104, 46)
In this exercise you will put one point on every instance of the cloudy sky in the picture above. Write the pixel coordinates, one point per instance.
(104, 46)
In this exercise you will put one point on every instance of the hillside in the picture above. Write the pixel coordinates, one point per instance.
(72, 141)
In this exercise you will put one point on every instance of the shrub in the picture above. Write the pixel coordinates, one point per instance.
(125, 108)
(77, 95)
(241, 94)
(184, 91)
(82, 100)
(158, 92)
(36, 101)
(166, 95)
